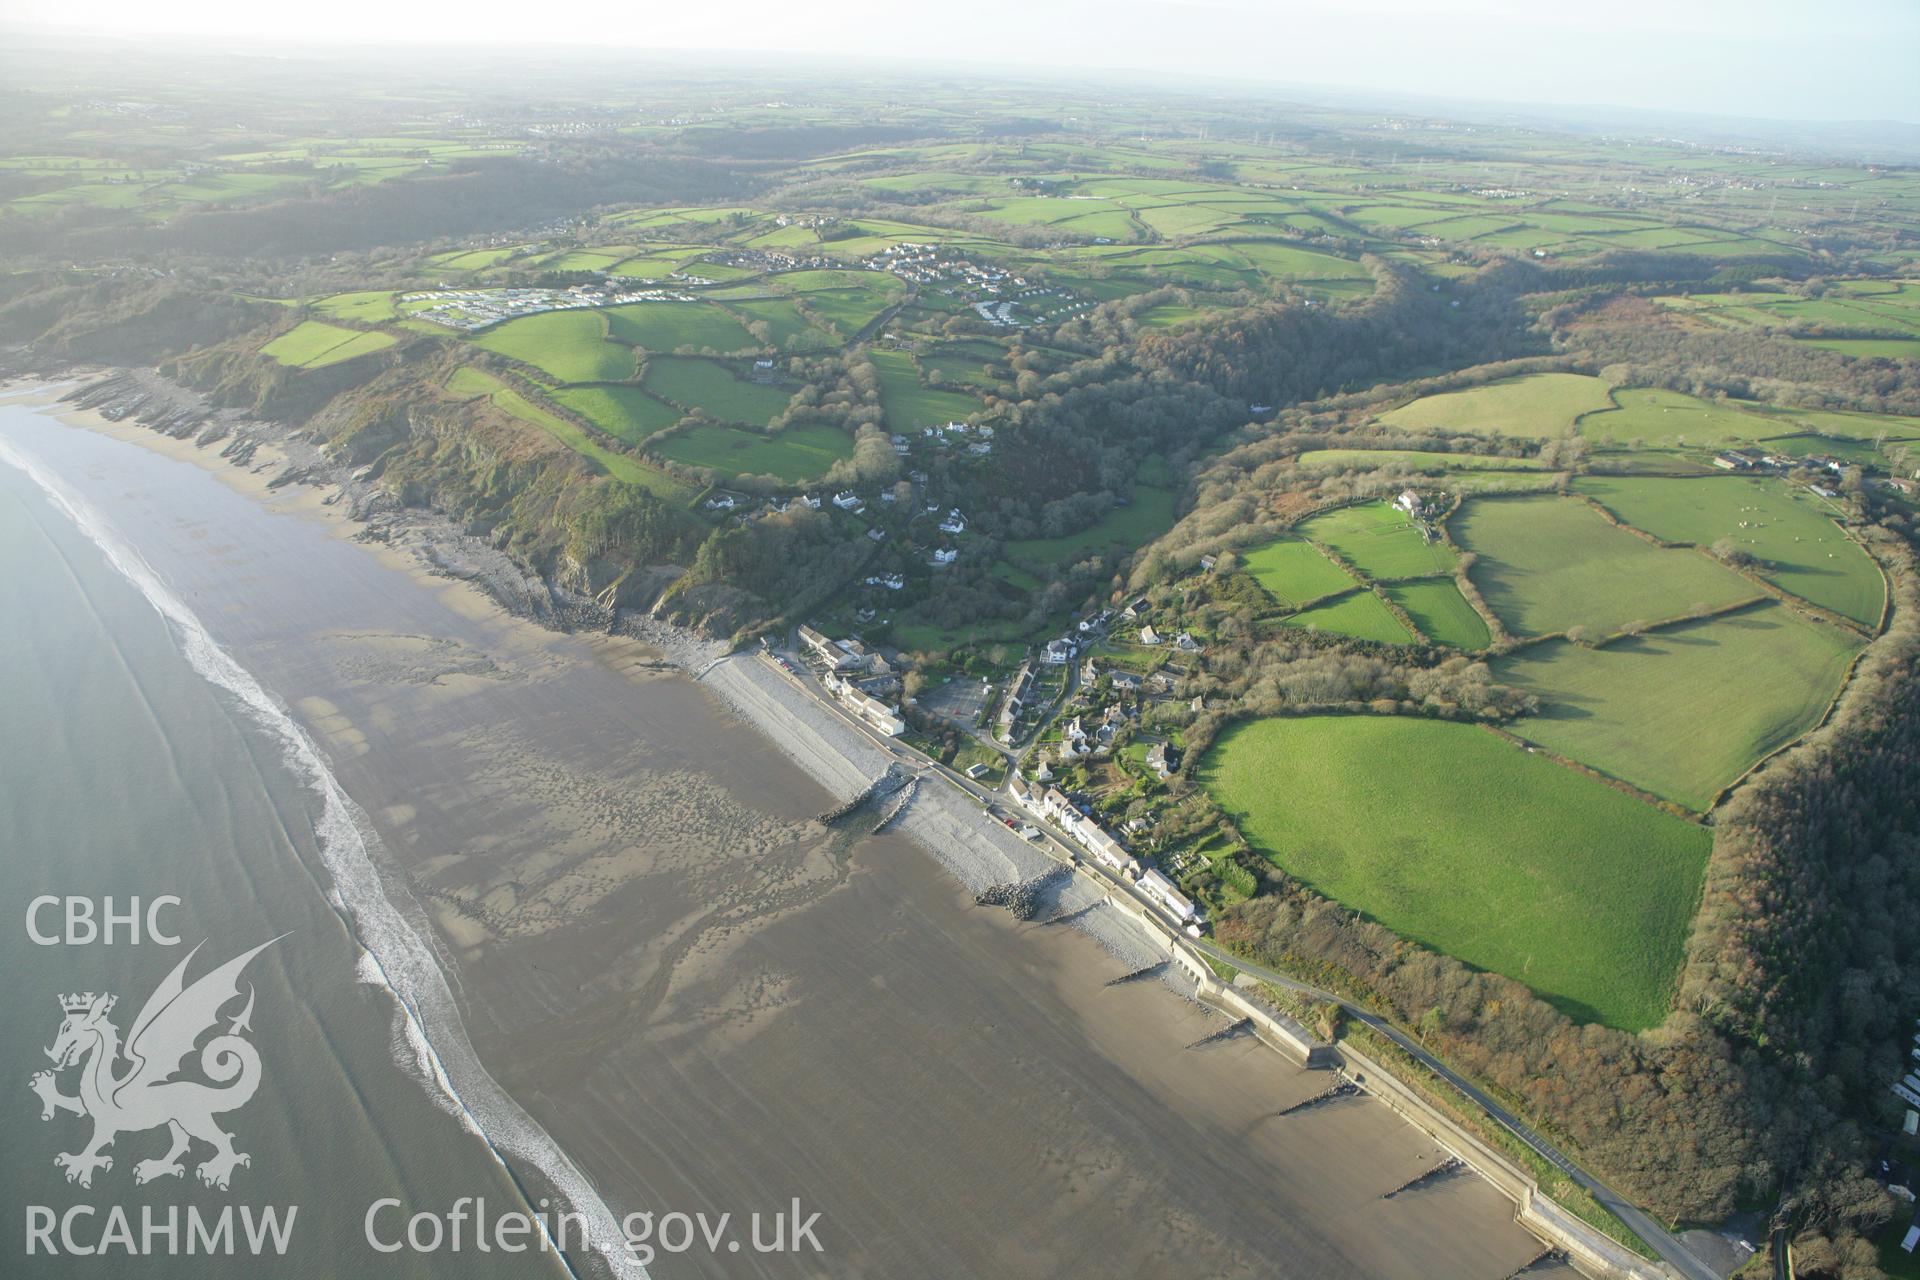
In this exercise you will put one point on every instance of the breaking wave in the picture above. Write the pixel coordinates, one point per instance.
(430, 1041)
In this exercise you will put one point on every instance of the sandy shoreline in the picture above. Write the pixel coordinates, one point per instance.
(711, 1001)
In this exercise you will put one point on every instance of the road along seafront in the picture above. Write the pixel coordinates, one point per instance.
(710, 1001)
(845, 753)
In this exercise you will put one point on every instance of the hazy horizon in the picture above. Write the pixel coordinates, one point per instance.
(1765, 59)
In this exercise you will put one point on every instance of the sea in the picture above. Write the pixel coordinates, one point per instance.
(695, 998)
(161, 815)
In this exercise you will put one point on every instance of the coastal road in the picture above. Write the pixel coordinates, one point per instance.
(1658, 1238)
(1671, 1250)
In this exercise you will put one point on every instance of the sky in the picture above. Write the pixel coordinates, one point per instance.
(1779, 59)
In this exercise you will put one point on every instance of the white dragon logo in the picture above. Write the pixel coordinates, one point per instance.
(144, 1096)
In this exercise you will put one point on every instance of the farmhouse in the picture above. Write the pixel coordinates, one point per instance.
(847, 500)
(1409, 502)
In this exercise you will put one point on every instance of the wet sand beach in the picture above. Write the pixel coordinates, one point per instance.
(714, 1003)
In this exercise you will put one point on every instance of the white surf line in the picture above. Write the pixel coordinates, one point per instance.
(395, 956)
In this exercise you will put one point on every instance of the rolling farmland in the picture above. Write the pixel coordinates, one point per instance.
(1461, 841)
(1536, 405)
(1547, 564)
(1684, 711)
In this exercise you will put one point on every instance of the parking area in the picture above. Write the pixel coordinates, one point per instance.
(963, 699)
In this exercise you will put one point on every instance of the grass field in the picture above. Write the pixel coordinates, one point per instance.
(312, 344)
(1441, 612)
(1536, 404)
(1414, 460)
(910, 405)
(702, 384)
(567, 344)
(368, 308)
(795, 454)
(1684, 711)
(1460, 841)
(1380, 541)
(1665, 419)
(1360, 615)
(787, 329)
(468, 382)
(618, 465)
(1293, 572)
(1871, 348)
(1846, 425)
(1146, 517)
(1787, 529)
(625, 413)
(668, 326)
(1548, 563)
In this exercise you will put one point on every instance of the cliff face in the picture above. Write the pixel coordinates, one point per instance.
(133, 319)
(387, 416)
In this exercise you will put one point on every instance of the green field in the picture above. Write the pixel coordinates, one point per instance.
(1145, 518)
(794, 454)
(1455, 838)
(625, 413)
(1536, 404)
(847, 300)
(909, 405)
(668, 326)
(1789, 530)
(1684, 711)
(312, 344)
(1360, 615)
(787, 329)
(1414, 460)
(1548, 563)
(569, 345)
(368, 308)
(1441, 612)
(1664, 419)
(1380, 541)
(467, 382)
(702, 384)
(1865, 427)
(979, 364)
(618, 465)
(1871, 348)
(1293, 572)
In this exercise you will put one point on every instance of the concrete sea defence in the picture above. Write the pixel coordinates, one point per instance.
(990, 860)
